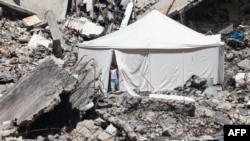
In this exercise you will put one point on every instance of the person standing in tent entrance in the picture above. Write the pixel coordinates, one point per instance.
(114, 78)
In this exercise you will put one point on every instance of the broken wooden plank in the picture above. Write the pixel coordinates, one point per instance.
(37, 93)
(31, 20)
(55, 33)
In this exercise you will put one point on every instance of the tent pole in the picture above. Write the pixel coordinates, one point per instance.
(183, 67)
(149, 63)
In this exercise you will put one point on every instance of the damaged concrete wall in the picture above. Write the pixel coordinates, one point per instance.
(172, 7)
(40, 7)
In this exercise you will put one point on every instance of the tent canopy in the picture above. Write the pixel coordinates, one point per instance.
(156, 54)
(153, 31)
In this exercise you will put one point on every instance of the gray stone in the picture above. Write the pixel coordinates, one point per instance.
(230, 56)
(206, 138)
(212, 92)
(103, 136)
(212, 102)
(85, 27)
(111, 129)
(100, 122)
(208, 112)
(245, 64)
(248, 103)
(225, 106)
(221, 118)
(14, 139)
(37, 40)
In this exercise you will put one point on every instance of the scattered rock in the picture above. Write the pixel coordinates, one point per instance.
(222, 118)
(224, 106)
(111, 129)
(244, 64)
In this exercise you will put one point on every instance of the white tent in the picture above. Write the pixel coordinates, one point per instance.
(156, 54)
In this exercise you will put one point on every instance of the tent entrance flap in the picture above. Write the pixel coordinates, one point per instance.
(134, 69)
(113, 66)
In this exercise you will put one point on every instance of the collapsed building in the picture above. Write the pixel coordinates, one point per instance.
(47, 98)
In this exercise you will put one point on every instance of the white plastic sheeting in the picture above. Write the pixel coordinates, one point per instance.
(156, 54)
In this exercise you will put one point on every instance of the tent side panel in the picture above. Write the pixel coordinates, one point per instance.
(103, 59)
(166, 69)
(201, 62)
(134, 69)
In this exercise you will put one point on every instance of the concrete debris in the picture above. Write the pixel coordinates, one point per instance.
(171, 8)
(111, 129)
(127, 14)
(229, 29)
(85, 27)
(63, 98)
(242, 80)
(248, 103)
(31, 20)
(38, 40)
(222, 118)
(171, 98)
(244, 64)
(196, 82)
(7, 78)
(39, 92)
(39, 7)
(87, 73)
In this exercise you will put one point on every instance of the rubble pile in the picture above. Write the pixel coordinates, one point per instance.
(44, 98)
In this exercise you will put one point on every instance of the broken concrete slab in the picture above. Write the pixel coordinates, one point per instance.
(222, 118)
(224, 106)
(103, 136)
(39, 7)
(15, 6)
(242, 80)
(171, 98)
(132, 136)
(88, 73)
(172, 8)
(111, 129)
(85, 27)
(4, 78)
(227, 30)
(31, 20)
(127, 14)
(248, 103)
(244, 64)
(37, 40)
(36, 93)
